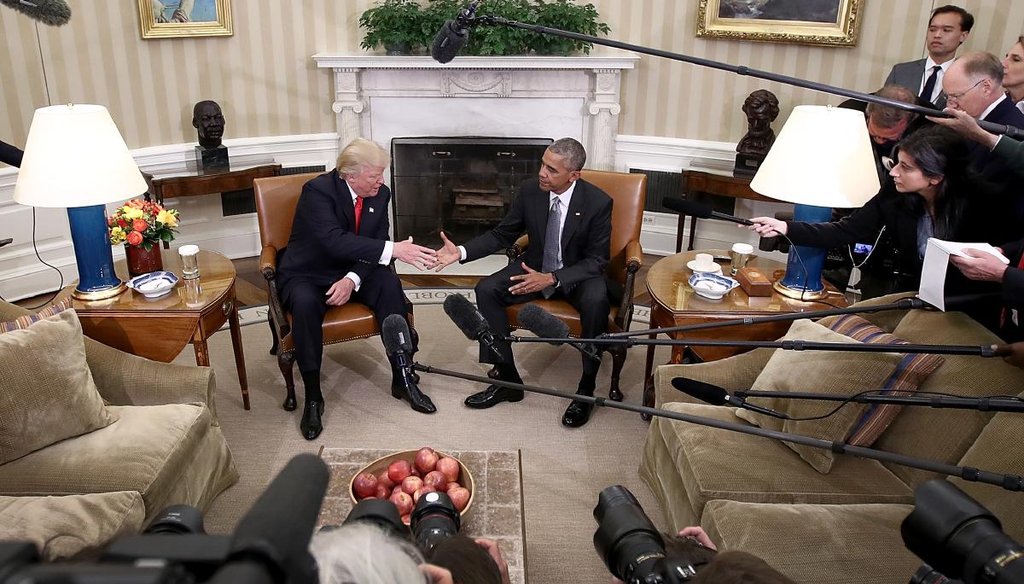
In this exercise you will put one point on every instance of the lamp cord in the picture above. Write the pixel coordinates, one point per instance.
(35, 248)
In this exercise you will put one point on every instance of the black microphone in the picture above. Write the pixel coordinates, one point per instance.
(547, 326)
(469, 320)
(10, 154)
(700, 211)
(453, 34)
(394, 332)
(276, 531)
(51, 12)
(717, 396)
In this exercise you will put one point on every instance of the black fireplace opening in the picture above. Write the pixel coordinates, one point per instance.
(461, 185)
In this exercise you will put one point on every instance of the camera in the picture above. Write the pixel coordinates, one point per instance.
(433, 519)
(633, 549)
(960, 538)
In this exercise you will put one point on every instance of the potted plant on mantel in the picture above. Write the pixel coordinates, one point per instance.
(417, 25)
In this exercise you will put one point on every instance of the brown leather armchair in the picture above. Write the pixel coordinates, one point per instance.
(629, 194)
(276, 198)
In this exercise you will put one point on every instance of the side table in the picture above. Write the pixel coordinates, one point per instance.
(674, 303)
(722, 184)
(160, 328)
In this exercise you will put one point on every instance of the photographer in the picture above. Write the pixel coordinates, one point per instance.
(364, 553)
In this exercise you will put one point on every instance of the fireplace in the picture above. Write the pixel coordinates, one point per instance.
(462, 185)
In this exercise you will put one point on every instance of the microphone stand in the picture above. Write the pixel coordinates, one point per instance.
(984, 404)
(489, 20)
(1006, 481)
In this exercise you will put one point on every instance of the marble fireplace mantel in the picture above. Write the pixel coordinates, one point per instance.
(382, 97)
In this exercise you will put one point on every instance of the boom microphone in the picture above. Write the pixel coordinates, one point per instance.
(275, 533)
(51, 12)
(716, 396)
(700, 211)
(470, 321)
(453, 34)
(547, 326)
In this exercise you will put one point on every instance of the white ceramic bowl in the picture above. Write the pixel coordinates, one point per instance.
(712, 286)
(153, 284)
(697, 268)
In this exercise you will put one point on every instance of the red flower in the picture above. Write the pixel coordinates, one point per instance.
(140, 225)
(122, 223)
(134, 238)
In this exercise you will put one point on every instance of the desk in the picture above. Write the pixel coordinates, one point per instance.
(197, 183)
(674, 303)
(710, 183)
(160, 328)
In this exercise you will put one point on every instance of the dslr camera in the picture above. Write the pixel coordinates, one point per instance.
(433, 519)
(633, 549)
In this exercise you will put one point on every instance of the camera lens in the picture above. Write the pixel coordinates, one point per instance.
(381, 513)
(433, 520)
(177, 519)
(626, 539)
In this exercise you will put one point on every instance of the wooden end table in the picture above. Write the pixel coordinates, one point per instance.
(723, 184)
(160, 328)
(674, 303)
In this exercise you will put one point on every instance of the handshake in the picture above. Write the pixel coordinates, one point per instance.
(424, 258)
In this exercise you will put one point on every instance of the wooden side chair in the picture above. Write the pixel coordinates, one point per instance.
(629, 194)
(276, 199)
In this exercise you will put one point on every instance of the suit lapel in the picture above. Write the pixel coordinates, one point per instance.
(574, 214)
(344, 201)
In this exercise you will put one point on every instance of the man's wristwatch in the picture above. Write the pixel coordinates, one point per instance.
(555, 278)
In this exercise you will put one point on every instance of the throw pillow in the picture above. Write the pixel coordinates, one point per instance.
(47, 391)
(23, 321)
(831, 372)
(909, 374)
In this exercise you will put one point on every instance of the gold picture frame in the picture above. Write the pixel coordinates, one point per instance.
(773, 21)
(162, 19)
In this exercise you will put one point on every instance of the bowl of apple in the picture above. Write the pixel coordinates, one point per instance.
(402, 477)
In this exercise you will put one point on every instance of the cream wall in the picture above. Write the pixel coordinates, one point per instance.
(266, 82)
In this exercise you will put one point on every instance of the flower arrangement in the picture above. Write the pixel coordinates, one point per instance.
(142, 224)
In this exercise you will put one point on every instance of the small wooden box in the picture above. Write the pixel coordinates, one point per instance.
(754, 281)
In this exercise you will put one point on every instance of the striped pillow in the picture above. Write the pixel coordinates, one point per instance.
(23, 322)
(909, 374)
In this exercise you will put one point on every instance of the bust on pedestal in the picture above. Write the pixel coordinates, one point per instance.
(761, 107)
(207, 119)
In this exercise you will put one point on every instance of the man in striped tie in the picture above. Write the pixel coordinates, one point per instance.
(568, 221)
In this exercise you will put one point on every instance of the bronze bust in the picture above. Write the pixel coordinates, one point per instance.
(208, 120)
(761, 108)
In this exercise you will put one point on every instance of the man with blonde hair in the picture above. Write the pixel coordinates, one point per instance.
(339, 251)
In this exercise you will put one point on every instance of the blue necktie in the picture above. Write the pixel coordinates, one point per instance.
(552, 244)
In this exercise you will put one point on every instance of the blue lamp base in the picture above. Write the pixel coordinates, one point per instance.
(804, 265)
(96, 278)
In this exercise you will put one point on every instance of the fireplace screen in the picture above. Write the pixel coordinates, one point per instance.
(462, 186)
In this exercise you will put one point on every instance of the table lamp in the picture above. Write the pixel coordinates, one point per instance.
(76, 158)
(821, 159)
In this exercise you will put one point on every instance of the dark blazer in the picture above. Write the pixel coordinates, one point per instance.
(991, 167)
(909, 75)
(1013, 279)
(585, 236)
(1013, 152)
(322, 246)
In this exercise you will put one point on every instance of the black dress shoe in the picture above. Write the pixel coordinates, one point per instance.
(492, 396)
(289, 403)
(419, 401)
(577, 414)
(311, 424)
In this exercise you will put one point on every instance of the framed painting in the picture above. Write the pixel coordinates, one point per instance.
(161, 19)
(809, 22)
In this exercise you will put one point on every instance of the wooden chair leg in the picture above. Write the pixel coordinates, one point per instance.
(286, 361)
(273, 335)
(618, 362)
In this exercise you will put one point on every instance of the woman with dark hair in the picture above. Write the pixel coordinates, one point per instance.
(933, 193)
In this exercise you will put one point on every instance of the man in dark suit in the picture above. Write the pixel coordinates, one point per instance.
(948, 28)
(339, 251)
(555, 207)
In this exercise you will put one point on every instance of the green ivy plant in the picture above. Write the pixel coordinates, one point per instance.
(397, 25)
(569, 16)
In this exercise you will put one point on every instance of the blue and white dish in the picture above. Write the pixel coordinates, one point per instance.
(713, 286)
(153, 284)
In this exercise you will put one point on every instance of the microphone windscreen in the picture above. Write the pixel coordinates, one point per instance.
(542, 323)
(448, 42)
(394, 332)
(705, 392)
(51, 12)
(277, 529)
(466, 316)
(687, 207)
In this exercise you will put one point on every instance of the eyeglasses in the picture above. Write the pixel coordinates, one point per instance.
(957, 96)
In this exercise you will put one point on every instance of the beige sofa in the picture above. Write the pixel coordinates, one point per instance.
(756, 494)
(164, 448)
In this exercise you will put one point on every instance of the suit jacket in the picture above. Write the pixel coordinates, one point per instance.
(323, 246)
(1012, 151)
(991, 167)
(909, 75)
(1013, 279)
(586, 234)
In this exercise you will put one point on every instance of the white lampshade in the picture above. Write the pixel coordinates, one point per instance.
(76, 157)
(822, 157)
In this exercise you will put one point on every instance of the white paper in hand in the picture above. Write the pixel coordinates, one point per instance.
(936, 261)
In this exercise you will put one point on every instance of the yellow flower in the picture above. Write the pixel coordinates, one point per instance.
(117, 236)
(168, 218)
(132, 213)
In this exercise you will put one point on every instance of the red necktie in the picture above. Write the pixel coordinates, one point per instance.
(359, 211)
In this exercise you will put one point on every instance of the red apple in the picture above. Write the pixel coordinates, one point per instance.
(397, 489)
(406, 519)
(426, 459)
(384, 479)
(459, 497)
(382, 492)
(411, 484)
(452, 485)
(416, 496)
(398, 470)
(403, 501)
(450, 468)
(435, 479)
(364, 485)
